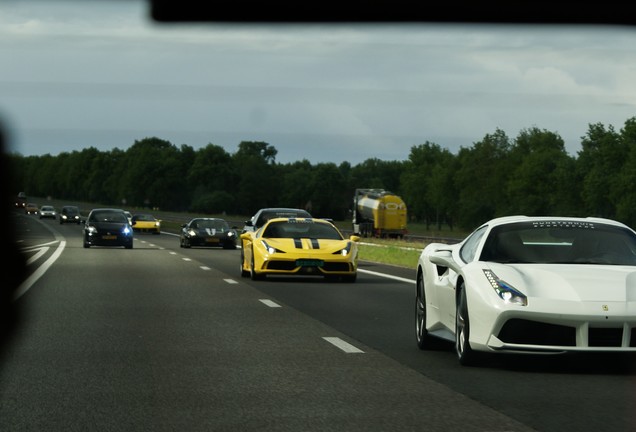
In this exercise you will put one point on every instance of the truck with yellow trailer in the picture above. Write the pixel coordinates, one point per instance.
(378, 213)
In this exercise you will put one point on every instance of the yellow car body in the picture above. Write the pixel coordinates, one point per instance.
(146, 223)
(31, 208)
(301, 247)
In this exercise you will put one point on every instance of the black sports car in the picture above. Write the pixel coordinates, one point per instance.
(108, 227)
(208, 232)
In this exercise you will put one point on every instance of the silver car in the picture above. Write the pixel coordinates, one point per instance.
(47, 211)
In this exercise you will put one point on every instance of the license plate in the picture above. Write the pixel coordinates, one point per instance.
(212, 240)
(309, 263)
(109, 237)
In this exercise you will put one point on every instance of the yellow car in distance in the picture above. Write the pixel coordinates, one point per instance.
(300, 247)
(143, 222)
(31, 208)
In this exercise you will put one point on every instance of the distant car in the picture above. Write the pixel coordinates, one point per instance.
(299, 246)
(208, 232)
(70, 214)
(265, 214)
(31, 208)
(107, 227)
(47, 211)
(144, 222)
(530, 285)
(129, 216)
(21, 200)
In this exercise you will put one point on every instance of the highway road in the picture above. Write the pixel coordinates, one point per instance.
(161, 338)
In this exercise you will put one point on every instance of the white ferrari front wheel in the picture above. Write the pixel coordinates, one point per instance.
(421, 334)
(465, 353)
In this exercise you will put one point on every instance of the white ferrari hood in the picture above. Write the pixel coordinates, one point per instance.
(572, 282)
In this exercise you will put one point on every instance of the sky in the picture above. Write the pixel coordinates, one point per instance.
(79, 74)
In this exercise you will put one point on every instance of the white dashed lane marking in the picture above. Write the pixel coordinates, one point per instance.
(270, 303)
(345, 346)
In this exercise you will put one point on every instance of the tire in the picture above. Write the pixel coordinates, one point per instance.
(465, 354)
(253, 273)
(244, 273)
(86, 244)
(422, 337)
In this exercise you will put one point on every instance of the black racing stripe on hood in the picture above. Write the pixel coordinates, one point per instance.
(315, 244)
(298, 243)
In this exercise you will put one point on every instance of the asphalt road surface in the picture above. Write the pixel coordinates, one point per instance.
(161, 338)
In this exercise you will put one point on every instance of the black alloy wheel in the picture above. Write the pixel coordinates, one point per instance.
(421, 334)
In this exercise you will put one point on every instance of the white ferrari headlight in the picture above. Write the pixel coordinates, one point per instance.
(504, 290)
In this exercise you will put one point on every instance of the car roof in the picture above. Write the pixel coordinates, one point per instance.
(522, 218)
(281, 209)
(106, 209)
(304, 219)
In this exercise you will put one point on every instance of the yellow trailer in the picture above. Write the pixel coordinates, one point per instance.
(378, 213)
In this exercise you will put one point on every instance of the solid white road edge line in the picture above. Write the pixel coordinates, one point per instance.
(386, 276)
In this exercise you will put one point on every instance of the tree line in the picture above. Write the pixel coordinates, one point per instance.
(530, 174)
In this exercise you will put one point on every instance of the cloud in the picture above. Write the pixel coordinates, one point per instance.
(339, 92)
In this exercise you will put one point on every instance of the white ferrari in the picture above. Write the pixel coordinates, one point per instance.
(539, 285)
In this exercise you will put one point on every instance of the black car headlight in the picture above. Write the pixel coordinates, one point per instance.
(504, 290)
(127, 231)
(191, 233)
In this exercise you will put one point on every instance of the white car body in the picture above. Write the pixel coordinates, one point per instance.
(47, 211)
(562, 296)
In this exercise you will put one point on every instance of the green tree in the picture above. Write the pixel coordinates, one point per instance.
(212, 176)
(255, 167)
(295, 179)
(599, 165)
(482, 174)
(428, 167)
(154, 176)
(327, 189)
(542, 176)
(625, 193)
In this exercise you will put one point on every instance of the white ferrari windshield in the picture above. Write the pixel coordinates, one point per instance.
(560, 242)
